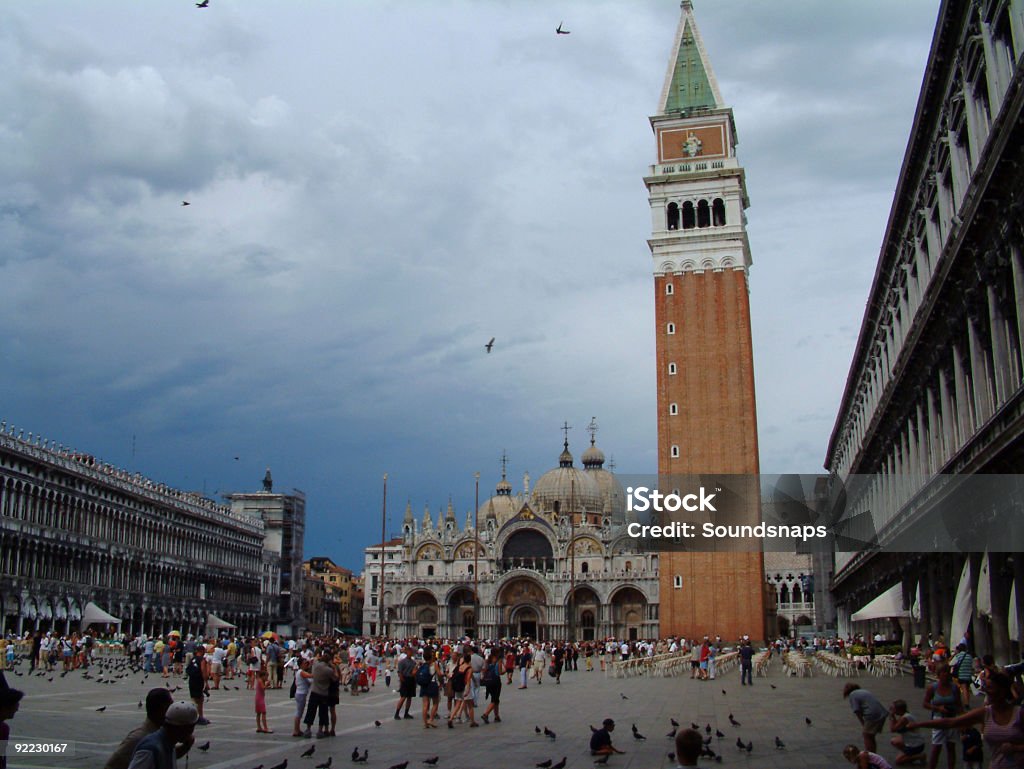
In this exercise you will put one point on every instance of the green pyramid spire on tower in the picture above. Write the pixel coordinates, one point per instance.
(690, 82)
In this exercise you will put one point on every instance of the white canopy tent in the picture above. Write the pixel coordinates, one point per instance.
(94, 615)
(216, 624)
(888, 605)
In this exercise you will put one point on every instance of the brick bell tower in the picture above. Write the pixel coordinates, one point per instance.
(707, 420)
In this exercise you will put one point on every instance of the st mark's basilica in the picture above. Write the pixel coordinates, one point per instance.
(553, 562)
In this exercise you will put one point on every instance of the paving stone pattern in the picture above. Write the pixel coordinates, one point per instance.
(66, 709)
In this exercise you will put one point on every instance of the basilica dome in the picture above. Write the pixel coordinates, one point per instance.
(611, 490)
(567, 488)
(503, 505)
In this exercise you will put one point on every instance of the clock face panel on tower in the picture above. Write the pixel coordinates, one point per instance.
(689, 142)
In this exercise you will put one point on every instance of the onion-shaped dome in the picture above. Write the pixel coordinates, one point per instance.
(572, 489)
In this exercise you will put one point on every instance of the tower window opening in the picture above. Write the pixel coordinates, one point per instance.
(689, 218)
(677, 581)
(673, 409)
(703, 214)
(669, 289)
(675, 452)
(671, 369)
(671, 329)
(718, 212)
(672, 216)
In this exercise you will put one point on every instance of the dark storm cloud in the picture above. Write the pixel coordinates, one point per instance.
(378, 189)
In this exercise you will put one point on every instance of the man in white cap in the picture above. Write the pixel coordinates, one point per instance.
(160, 749)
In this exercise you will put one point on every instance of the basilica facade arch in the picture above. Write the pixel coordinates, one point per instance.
(547, 563)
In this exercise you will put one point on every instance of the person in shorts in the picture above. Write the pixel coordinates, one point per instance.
(406, 683)
(871, 713)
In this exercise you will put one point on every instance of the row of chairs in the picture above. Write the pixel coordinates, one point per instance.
(797, 665)
(834, 665)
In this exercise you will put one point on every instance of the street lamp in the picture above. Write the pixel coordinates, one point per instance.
(383, 532)
(476, 554)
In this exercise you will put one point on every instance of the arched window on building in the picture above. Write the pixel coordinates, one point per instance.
(673, 409)
(670, 328)
(585, 567)
(671, 369)
(689, 219)
(703, 214)
(669, 289)
(672, 216)
(430, 571)
(718, 212)
(784, 595)
(470, 568)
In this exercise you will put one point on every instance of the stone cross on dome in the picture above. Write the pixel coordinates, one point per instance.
(565, 429)
(592, 429)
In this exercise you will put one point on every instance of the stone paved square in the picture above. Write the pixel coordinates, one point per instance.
(66, 709)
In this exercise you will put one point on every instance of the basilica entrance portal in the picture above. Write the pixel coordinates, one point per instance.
(524, 609)
(525, 622)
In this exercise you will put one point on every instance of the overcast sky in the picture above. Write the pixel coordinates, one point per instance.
(377, 189)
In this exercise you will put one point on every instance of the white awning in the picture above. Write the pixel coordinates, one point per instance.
(94, 615)
(1012, 622)
(888, 604)
(984, 600)
(963, 606)
(213, 622)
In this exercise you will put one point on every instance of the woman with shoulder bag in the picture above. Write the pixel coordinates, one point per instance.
(491, 680)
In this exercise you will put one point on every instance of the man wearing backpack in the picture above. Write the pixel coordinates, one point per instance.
(406, 682)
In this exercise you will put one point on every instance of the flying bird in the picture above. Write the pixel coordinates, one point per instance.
(779, 744)
(98, 710)
(326, 764)
(185, 202)
(204, 747)
(308, 753)
(561, 31)
(204, 4)
(489, 345)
